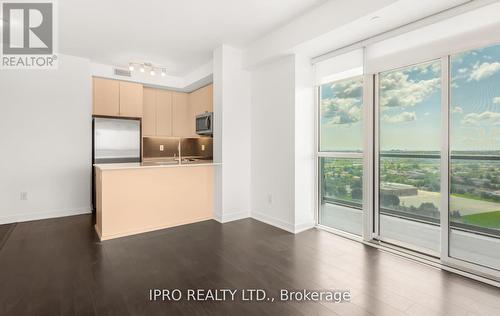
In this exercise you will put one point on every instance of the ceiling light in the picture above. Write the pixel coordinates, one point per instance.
(150, 67)
(375, 18)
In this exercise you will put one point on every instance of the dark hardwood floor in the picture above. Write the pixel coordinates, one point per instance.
(5, 231)
(58, 267)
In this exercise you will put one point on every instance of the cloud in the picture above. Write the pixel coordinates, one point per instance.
(496, 100)
(487, 117)
(462, 70)
(337, 111)
(345, 107)
(397, 90)
(483, 71)
(348, 89)
(434, 68)
(400, 118)
(427, 113)
(457, 110)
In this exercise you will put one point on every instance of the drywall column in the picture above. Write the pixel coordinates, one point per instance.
(304, 144)
(231, 135)
(283, 143)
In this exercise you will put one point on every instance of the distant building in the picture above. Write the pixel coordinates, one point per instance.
(398, 189)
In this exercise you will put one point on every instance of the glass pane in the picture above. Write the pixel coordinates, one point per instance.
(341, 115)
(409, 157)
(341, 194)
(475, 156)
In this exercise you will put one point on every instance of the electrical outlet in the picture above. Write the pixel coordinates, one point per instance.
(269, 199)
(24, 196)
(162, 148)
(202, 147)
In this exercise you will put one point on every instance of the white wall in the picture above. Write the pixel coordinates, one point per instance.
(272, 156)
(231, 135)
(45, 139)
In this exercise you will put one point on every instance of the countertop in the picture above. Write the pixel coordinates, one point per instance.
(147, 165)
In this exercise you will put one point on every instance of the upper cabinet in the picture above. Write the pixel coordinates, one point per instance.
(163, 113)
(117, 98)
(181, 115)
(157, 112)
(200, 101)
(106, 97)
(130, 99)
(149, 112)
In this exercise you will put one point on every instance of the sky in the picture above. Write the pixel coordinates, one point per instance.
(410, 106)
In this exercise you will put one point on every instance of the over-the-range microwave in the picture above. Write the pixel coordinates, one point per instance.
(204, 123)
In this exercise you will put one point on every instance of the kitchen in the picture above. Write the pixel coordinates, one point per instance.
(153, 152)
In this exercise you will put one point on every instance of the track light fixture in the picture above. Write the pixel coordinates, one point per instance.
(153, 69)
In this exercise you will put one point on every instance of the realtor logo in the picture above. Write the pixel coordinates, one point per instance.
(28, 35)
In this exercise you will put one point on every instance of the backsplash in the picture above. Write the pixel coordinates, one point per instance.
(190, 147)
(152, 147)
(197, 147)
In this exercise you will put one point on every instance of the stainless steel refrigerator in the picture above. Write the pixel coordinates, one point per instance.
(114, 140)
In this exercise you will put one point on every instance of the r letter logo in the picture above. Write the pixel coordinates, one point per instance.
(28, 35)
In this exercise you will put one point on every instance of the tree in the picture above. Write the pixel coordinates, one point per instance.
(389, 199)
(357, 194)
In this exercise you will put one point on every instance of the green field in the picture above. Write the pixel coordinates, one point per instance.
(473, 197)
(488, 219)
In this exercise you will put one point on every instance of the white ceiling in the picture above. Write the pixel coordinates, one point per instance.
(181, 34)
(178, 34)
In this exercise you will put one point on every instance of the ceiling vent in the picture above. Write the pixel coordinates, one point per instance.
(123, 72)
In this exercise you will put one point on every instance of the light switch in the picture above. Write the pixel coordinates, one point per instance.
(162, 148)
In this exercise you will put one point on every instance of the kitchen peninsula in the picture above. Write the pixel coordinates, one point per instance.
(134, 198)
(152, 159)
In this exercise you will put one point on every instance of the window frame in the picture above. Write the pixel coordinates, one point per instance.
(365, 156)
(376, 183)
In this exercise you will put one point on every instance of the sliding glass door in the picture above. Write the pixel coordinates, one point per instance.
(340, 155)
(409, 156)
(474, 202)
(426, 175)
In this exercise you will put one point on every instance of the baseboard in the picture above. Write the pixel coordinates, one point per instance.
(304, 226)
(218, 217)
(289, 227)
(229, 217)
(25, 217)
(234, 216)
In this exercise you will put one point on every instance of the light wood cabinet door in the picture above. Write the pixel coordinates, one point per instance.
(200, 101)
(181, 122)
(163, 113)
(149, 112)
(131, 98)
(106, 96)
